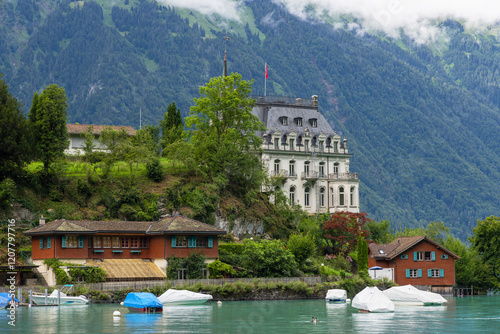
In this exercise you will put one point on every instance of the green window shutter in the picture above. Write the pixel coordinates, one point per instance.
(174, 241)
(41, 243)
(407, 273)
(402, 257)
(80, 241)
(419, 272)
(441, 272)
(191, 241)
(210, 242)
(48, 242)
(433, 256)
(64, 241)
(414, 256)
(429, 273)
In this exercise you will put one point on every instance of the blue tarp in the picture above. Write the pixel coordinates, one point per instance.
(142, 300)
(3, 302)
(8, 296)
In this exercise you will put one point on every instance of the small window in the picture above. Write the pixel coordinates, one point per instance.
(134, 242)
(298, 121)
(435, 273)
(106, 242)
(143, 243)
(97, 241)
(284, 120)
(181, 241)
(444, 257)
(116, 242)
(404, 256)
(125, 242)
(413, 273)
(276, 143)
(381, 251)
(292, 144)
(314, 122)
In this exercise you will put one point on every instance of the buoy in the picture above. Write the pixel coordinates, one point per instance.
(121, 303)
(219, 302)
(116, 313)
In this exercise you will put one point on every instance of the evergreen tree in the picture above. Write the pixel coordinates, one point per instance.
(47, 123)
(362, 256)
(171, 125)
(14, 143)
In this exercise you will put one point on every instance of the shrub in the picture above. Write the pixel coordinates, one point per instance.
(302, 247)
(194, 263)
(174, 264)
(219, 269)
(154, 170)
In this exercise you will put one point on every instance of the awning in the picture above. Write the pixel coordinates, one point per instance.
(128, 269)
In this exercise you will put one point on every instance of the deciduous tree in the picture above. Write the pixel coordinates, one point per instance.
(486, 242)
(223, 132)
(341, 232)
(14, 142)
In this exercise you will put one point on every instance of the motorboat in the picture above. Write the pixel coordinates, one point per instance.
(183, 297)
(411, 296)
(144, 302)
(53, 298)
(371, 299)
(337, 296)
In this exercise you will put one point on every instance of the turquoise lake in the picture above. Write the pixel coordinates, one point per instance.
(479, 314)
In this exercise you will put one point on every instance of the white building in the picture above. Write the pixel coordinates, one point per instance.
(77, 133)
(313, 160)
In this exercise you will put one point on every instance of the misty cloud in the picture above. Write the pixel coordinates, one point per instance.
(228, 9)
(416, 17)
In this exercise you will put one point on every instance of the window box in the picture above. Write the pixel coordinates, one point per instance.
(117, 251)
(98, 251)
(135, 252)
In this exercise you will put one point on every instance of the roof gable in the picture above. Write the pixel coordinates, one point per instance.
(400, 245)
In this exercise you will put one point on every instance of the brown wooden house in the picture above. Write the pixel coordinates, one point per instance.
(126, 250)
(418, 261)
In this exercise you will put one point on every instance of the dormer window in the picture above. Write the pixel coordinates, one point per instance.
(314, 122)
(276, 143)
(284, 120)
(298, 121)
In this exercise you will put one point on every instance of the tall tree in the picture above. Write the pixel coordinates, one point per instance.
(485, 242)
(362, 256)
(14, 143)
(223, 132)
(47, 121)
(171, 125)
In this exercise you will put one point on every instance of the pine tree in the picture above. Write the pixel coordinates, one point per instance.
(14, 141)
(171, 125)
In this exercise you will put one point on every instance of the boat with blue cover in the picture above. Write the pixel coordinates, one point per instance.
(144, 302)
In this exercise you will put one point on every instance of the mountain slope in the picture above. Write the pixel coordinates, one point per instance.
(422, 122)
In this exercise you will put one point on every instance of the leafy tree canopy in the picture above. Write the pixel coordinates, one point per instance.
(485, 242)
(341, 232)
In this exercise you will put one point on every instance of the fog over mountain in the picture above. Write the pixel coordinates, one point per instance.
(418, 19)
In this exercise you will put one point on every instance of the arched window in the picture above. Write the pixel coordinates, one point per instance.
(322, 197)
(306, 197)
(292, 195)
(291, 168)
(341, 196)
(276, 167)
(352, 196)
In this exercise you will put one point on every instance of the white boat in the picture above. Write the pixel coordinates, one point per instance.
(411, 296)
(336, 296)
(183, 297)
(371, 299)
(53, 298)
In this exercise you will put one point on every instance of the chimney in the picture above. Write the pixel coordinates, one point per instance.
(315, 101)
(42, 221)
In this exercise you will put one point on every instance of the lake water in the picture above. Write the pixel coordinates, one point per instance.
(479, 314)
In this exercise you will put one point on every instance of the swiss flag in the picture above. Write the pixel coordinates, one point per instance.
(266, 72)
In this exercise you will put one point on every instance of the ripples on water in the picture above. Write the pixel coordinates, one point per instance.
(466, 315)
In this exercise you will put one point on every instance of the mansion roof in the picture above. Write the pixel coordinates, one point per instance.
(400, 245)
(170, 225)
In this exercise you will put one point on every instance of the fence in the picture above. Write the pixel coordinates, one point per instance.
(139, 285)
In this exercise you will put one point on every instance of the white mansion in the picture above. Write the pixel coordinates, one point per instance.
(301, 148)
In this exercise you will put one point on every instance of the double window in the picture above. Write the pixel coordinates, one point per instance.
(72, 241)
(424, 256)
(119, 242)
(413, 273)
(292, 195)
(306, 197)
(191, 241)
(45, 242)
(341, 196)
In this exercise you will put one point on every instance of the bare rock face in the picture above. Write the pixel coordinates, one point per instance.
(239, 227)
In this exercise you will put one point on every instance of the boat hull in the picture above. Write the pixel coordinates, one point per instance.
(40, 300)
(185, 302)
(145, 309)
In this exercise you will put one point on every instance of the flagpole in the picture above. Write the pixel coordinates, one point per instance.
(265, 82)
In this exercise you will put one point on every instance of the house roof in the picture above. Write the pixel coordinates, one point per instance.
(97, 129)
(128, 268)
(400, 245)
(171, 225)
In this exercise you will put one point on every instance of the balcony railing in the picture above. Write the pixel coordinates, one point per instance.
(279, 173)
(343, 176)
(311, 175)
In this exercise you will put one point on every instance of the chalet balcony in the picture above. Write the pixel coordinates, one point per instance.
(310, 176)
(343, 176)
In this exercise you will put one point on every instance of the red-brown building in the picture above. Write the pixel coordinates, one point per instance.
(125, 250)
(418, 261)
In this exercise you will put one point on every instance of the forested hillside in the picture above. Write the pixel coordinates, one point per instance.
(421, 120)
